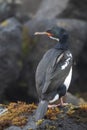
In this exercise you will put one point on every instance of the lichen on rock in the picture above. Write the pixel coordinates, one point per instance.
(19, 113)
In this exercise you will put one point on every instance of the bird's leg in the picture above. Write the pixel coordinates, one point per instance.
(60, 104)
(52, 106)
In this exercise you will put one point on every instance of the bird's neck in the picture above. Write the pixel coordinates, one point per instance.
(61, 45)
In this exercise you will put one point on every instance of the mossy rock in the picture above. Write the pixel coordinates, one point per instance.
(19, 115)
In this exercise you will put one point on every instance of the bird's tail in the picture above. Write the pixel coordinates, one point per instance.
(41, 110)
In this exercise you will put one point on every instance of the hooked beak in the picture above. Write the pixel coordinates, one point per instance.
(48, 34)
(43, 33)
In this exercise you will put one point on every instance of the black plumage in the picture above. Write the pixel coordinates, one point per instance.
(53, 70)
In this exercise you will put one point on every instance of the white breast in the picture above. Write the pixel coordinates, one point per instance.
(54, 99)
(66, 83)
(67, 61)
(68, 79)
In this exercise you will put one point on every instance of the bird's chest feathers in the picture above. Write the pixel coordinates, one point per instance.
(68, 57)
(68, 79)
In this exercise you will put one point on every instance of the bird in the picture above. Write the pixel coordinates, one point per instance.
(54, 71)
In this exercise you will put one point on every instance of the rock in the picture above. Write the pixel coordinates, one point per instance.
(62, 9)
(82, 69)
(30, 6)
(10, 52)
(77, 31)
(13, 128)
(7, 10)
(49, 8)
(13, 8)
(75, 9)
(4, 10)
(73, 99)
(22, 17)
(60, 118)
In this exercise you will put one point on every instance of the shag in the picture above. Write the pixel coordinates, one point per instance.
(54, 72)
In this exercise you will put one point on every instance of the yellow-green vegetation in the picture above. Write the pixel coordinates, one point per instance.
(79, 113)
(52, 113)
(39, 122)
(4, 23)
(17, 114)
(50, 127)
(20, 64)
(25, 40)
(84, 95)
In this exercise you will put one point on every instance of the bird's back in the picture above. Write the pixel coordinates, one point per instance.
(49, 74)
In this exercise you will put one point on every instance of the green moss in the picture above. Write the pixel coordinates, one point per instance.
(5, 23)
(39, 122)
(78, 113)
(20, 63)
(50, 127)
(25, 41)
(17, 114)
(23, 84)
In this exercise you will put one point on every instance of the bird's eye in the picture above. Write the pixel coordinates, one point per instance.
(49, 34)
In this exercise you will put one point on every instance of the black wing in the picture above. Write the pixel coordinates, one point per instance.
(49, 74)
(48, 59)
(57, 72)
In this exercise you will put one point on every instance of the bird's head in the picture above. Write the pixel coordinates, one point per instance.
(55, 33)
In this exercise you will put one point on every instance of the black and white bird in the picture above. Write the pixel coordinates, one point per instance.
(54, 72)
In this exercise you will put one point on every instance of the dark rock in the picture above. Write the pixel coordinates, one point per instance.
(4, 11)
(49, 8)
(22, 17)
(30, 6)
(31, 124)
(73, 99)
(69, 118)
(62, 9)
(10, 52)
(7, 10)
(75, 9)
(13, 128)
(82, 69)
(13, 8)
(77, 30)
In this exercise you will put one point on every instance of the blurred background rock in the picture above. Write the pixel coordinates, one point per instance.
(21, 51)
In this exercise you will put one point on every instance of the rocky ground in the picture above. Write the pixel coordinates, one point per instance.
(21, 117)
